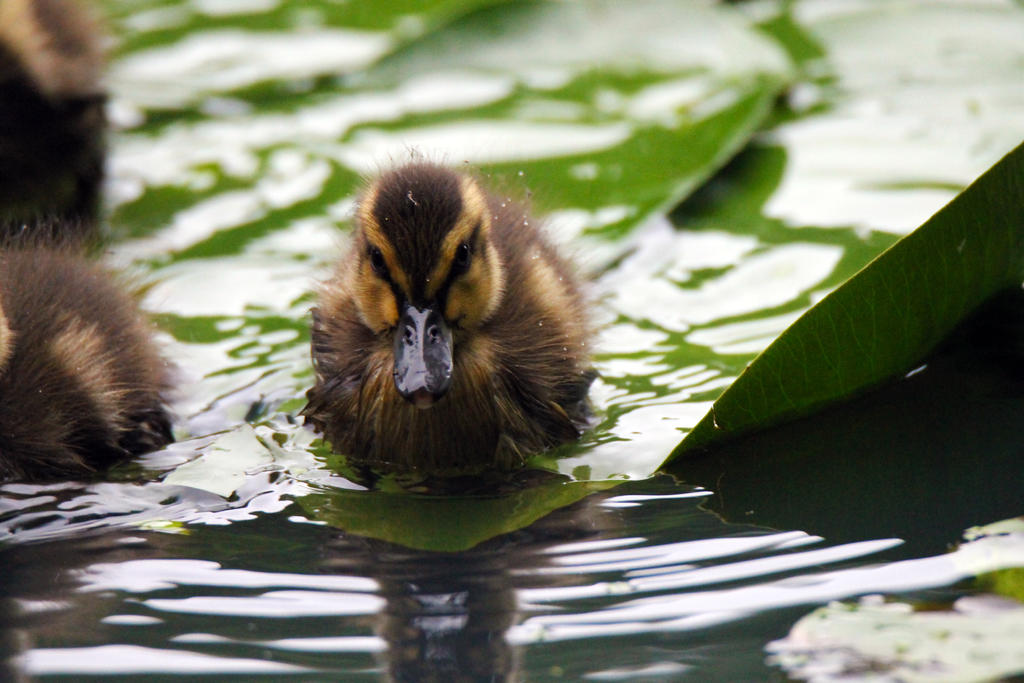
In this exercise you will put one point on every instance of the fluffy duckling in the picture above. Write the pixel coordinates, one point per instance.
(52, 121)
(81, 382)
(452, 337)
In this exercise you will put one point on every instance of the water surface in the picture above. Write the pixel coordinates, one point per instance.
(243, 551)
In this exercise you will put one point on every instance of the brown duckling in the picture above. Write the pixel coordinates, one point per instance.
(52, 119)
(81, 381)
(453, 337)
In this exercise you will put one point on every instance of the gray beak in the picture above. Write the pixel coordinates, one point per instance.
(423, 356)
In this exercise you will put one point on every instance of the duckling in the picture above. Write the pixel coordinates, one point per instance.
(452, 337)
(81, 381)
(52, 119)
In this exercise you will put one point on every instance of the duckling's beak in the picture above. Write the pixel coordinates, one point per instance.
(423, 356)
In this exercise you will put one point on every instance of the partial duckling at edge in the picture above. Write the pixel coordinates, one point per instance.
(453, 337)
(82, 384)
(52, 120)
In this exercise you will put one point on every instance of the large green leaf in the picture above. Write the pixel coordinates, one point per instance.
(909, 457)
(888, 316)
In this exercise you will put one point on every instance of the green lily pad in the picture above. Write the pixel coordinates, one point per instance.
(885, 319)
(976, 638)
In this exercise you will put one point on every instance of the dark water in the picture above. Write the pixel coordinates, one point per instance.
(636, 580)
(242, 552)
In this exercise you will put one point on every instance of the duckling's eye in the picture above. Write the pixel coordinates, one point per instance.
(462, 255)
(377, 261)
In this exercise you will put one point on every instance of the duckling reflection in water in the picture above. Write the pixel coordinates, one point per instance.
(453, 337)
(81, 381)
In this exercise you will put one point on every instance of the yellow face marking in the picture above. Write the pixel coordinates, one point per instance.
(476, 295)
(373, 296)
(376, 302)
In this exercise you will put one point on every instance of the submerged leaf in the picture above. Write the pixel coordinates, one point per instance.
(605, 107)
(442, 523)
